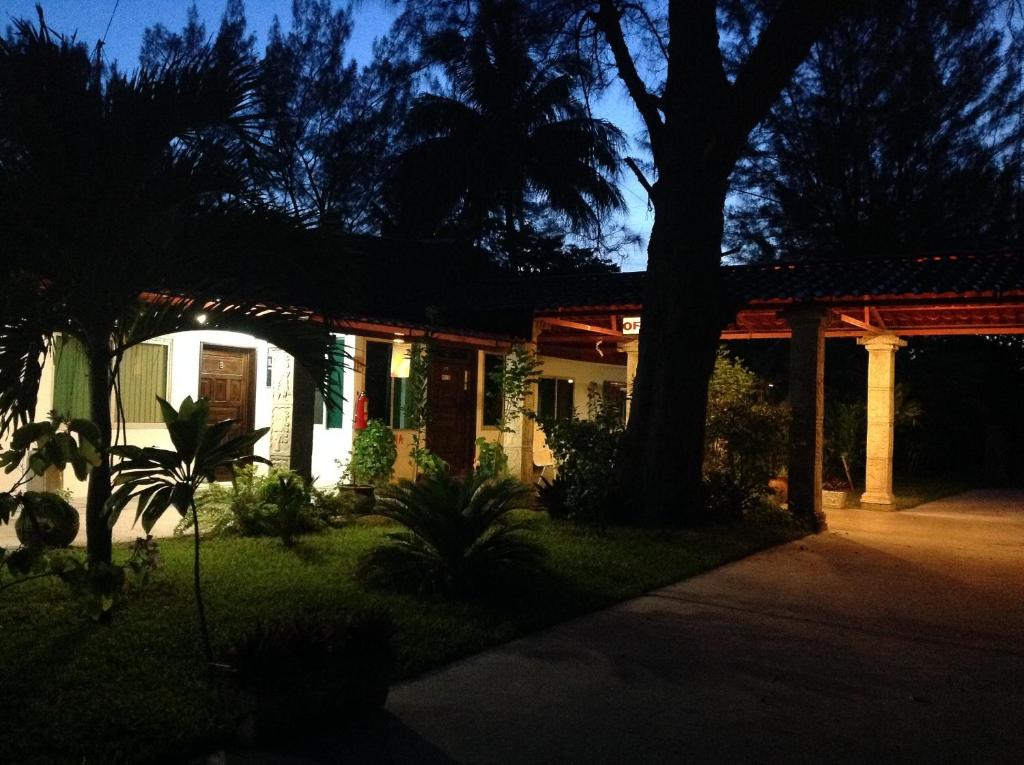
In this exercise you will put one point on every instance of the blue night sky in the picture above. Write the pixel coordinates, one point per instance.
(89, 18)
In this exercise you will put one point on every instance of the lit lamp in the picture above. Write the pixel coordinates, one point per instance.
(401, 354)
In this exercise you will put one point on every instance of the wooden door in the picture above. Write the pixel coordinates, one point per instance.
(451, 398)
(226, 379)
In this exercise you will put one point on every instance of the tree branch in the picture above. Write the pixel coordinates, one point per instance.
(607, 18)
(782, 46)
(631, 163)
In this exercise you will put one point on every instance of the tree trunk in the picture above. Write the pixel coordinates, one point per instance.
(660, 475)
(98, 533)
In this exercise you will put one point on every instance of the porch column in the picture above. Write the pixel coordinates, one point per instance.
(632, 351)
(518, 444)
(807, 402)
(300, 458)
(881, 416)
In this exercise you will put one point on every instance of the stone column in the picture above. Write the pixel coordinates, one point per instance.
(881, 416)
(281, 408)
(632, 350)
(807, 402)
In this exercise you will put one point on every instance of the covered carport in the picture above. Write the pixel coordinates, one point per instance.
(883, 303)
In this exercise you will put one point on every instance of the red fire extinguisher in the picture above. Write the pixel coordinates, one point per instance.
(362, 402)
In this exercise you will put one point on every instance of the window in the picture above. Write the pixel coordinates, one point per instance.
(493, 400)
(388, 396)
(614, 394)
(71, 378)
(555, 398)
(143, 377)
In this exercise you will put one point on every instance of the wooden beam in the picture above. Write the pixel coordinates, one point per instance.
(593, 329)
(844, 317)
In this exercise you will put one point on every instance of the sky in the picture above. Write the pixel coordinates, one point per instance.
(89, 20)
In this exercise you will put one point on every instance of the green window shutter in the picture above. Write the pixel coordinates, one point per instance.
(143, 377)
(71, 378)
(336, 385)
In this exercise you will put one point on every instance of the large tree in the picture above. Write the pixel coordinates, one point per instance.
(118, 193)
(701, 74)
(901, 133)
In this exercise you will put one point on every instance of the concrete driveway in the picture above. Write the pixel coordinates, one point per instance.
(893, 637)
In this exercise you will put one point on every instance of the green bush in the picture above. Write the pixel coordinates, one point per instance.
(313, 673)
(278, 504)
(373, 455)
(746, 441)
(493, 461)
(460, 537)
(585, 453)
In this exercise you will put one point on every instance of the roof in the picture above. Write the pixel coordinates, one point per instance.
(962, 274)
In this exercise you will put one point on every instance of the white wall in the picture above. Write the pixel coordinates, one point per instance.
(583, 374)
(333, 444)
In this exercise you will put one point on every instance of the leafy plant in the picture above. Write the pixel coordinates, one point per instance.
(45, 520)
(316, 671)
(746, 440)
(493, 461)
(373, 455)
(519, 372)
(460, 535)
(417, 411)
(585, 453)
(163, 478)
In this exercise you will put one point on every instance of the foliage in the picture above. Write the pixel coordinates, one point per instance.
(171, 205)
(373, 455)
(459, 535)
(277, 504)
(492, 461)
(162, 478)
(899, 134)
(746, 440)
(417, 411)
(551, 495)
(510, 145)
(317, 671)
(45, 520)
(585, 453)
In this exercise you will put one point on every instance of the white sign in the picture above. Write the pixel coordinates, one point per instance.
(631, 325)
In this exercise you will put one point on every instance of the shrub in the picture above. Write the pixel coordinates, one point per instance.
(459, 535)
(314, 672)
(585, 453)
(746, 441)
(373, 455)
(278, 504)
(493, 460)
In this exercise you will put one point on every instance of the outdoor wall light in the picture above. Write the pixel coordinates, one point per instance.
(201, 318)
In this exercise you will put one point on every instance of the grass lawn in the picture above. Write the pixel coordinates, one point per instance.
(73, 690)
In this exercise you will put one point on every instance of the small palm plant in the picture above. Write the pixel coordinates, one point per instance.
(460, 536)
(164, 478)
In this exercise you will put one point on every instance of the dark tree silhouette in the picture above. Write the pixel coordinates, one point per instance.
(510, 147)
(901, 133)
(112, 187)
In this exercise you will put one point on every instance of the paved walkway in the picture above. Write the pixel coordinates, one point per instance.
(894, 637)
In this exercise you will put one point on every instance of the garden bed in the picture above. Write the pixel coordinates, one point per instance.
(73, 690)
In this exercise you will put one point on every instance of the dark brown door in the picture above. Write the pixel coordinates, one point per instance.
(451, 395)
(226, 379)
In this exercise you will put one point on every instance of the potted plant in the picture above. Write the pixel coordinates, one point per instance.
(372, 463)
(844, 443)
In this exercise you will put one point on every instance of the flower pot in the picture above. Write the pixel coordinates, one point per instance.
(780, 488)
(833, 499)
(46, 520)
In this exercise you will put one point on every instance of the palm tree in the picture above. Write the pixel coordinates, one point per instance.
(512, 142)
(117, 195)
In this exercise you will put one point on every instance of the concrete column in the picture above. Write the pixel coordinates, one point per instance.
(632, 351)
(807, 402)
(281, 408)
(881, 416)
